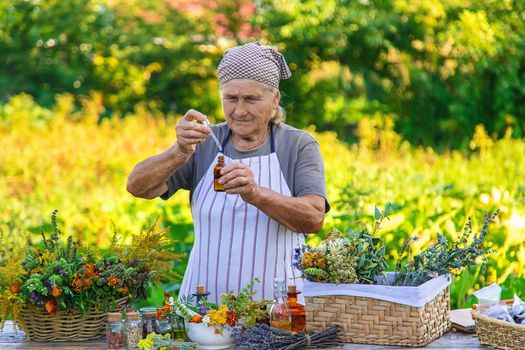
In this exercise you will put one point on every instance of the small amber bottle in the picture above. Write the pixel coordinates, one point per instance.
(217, 174)
(298, 310)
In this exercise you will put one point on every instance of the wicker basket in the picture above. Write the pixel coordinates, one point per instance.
(497, 333)
(373, 321)
(66, 326)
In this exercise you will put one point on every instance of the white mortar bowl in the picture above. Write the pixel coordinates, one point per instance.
(207, 338)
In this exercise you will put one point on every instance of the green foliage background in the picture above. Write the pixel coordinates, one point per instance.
(416, 103)
(439, 67)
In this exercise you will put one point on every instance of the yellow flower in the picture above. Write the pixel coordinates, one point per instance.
(218, 317)
(313, 259)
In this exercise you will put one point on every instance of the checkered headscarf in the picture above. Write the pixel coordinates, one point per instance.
(253, 61)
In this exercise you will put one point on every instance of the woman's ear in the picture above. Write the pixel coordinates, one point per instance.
(276, 99)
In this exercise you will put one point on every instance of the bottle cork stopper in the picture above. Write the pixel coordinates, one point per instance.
(132, 316)
(292, 288)
(201, 289)
(114, 317)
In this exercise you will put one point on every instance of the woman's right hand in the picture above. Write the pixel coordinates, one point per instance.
(191, 132)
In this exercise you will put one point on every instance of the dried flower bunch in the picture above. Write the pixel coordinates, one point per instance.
(65, 275)
(263, 337)
(443, 257)
(357, 257)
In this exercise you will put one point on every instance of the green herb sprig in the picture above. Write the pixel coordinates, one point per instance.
(442, 257)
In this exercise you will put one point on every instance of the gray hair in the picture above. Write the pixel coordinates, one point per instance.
(280, 114)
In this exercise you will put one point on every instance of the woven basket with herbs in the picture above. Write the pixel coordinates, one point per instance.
(374, 321)
(60, 290)
(355, 258)
(497, 333)
(67, 325)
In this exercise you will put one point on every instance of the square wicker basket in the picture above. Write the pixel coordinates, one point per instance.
(497, 333)
(373, 321)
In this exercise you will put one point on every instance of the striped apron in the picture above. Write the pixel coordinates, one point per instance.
(234, 241)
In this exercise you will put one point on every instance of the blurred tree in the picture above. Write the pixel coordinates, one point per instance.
(441, 66)
(131, 51)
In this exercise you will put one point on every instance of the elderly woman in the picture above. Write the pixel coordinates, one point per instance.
(274, 180)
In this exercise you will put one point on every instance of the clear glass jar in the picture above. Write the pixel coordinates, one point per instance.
(280, 314)
(163, 326)
(115, 331)
(178, 328)
(133, 330)
(148, 323)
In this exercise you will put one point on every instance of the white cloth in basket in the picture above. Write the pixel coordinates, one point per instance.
(412, 296)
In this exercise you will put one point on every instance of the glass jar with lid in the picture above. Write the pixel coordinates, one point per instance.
(148, 323)
(115, 331)
(133, 330)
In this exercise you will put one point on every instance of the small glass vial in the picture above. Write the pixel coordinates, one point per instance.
(202, 297)
(115, 331)
(148, 323)
(133, 330)
(297, 310)
(280, 314)
(217, 174)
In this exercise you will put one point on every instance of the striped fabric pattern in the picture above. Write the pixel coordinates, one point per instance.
(235, 242)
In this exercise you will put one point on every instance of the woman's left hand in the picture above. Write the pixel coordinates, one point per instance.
(237, 178)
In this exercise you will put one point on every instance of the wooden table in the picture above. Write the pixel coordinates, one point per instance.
(10, 340)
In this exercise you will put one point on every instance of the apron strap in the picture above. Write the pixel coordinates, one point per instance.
(272, 140)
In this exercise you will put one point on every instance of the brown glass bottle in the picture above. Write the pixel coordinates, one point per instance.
(298, 311)
(217, 174)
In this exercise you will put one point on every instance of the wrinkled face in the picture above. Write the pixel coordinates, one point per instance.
(248, 106)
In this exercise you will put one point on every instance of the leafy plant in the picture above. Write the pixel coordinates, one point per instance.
(233, 308)
(249, 311)
(443, 257)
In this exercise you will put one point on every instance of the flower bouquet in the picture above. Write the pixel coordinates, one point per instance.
(62, 290)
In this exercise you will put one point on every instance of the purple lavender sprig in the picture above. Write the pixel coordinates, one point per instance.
(298, 256)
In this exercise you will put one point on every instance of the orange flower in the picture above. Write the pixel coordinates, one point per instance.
(196, 319)
(159, 313)
(231, 318)
(37, 250)
(124, 290)
(89, 271)
(15, 288)
(56, 292)
(167, 307)
(113, 281)
(51, 306)
(78, 283)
